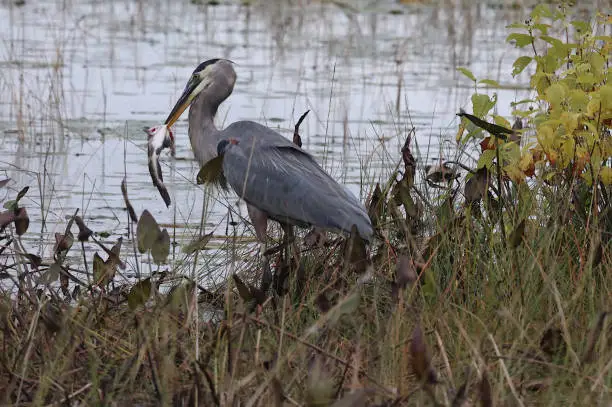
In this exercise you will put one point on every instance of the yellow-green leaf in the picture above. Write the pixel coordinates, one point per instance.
(605, 175)
(467, 73)
(520, 40)
(520, 64)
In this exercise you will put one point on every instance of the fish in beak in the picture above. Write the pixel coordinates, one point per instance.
(160, 137)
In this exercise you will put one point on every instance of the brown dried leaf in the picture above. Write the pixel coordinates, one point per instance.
(4, 182)
(516, 237)
(406, 273)
(63, 243)
(22, 221)
(485, 392)
(84, 232)
(421, 360)
(589, 354)
(355, 251)
(6, 218)
(103, 272)
(376, 205)
(128, 204)
(461, 397)
(243, 289)
(552, 342)
(296, 131)
(477, 186)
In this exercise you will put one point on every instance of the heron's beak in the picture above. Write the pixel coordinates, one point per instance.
(193, 88)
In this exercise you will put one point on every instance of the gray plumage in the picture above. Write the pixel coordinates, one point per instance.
(276, 178)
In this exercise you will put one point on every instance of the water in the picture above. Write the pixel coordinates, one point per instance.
(79, 79)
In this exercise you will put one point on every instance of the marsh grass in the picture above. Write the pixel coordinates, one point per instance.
(444, 312)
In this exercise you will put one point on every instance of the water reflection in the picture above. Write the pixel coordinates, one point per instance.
(80, 78)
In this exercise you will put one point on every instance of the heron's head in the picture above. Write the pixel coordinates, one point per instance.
(216, 76)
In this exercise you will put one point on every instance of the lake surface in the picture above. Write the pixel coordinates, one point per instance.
(79, 79)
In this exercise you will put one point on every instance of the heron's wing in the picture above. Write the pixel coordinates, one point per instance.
(289, 185)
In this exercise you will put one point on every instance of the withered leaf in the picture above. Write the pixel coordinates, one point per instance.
(21, 194)
(486, 395)
(516, 237)
(406, 272)
(375, 207)
(146, 231)
(161, 247)
(461, 396)
(63, 243)
(103, 272)
(84, 232)
(51, 275)
(139, 293)
(296, 131)
(421, 360)
(197, 244)
(243, 289)
(589, 354)
(22, 221)
(6, 218)
(476, 187)
(212, 173)
(440, 173)
(552, 342)
(126, 200)
(491, 128)
(355, 251)
(4, 182)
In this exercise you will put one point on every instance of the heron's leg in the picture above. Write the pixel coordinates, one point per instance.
(289, 243)
(260, 223)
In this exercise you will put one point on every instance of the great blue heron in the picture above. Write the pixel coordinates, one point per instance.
(277, 179)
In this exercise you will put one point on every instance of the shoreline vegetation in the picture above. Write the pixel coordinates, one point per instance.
(488, 284)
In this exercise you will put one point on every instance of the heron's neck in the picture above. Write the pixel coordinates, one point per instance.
(203, 133)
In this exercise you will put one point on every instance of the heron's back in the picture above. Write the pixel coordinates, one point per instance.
(271, 173)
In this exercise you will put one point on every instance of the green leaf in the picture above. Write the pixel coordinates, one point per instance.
(520, 64)
(467, 73)
(555, 42)
(11, 205)
(140, 293)
(161, 247)
(489, 82)
(519, 40)
(486, 159)
(482, 104)
(555, 94)
(147, 230)
(582, 27)
(521, 102)
(517, 25)
(541, 10)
